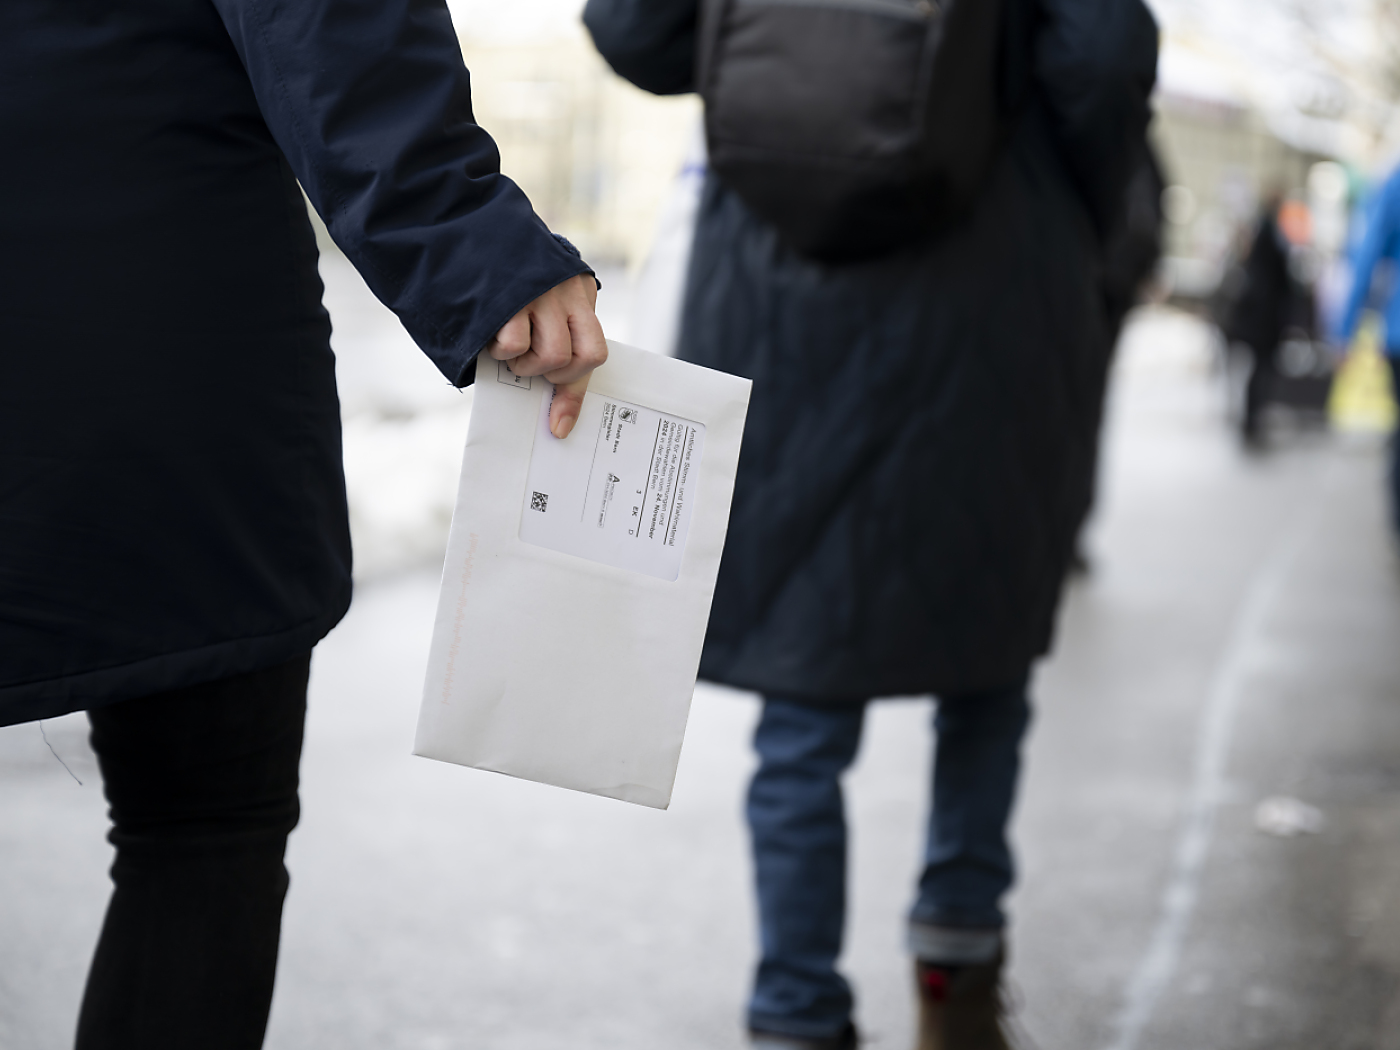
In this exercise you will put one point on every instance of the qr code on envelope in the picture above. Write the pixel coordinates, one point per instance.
(539, 501)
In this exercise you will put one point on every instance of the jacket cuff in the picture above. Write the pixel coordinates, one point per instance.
(531, 266)
(568, 244)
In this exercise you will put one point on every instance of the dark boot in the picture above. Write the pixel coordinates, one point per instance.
(960, 1007)
(847, 1040)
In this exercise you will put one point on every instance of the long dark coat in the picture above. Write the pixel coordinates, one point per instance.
(172, 507)
(1260, 312)
(920, 444)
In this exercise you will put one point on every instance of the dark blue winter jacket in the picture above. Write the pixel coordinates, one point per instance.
(172, 506)
(920, 444)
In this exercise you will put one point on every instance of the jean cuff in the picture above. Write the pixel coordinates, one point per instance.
(954, 945)
(792, 1028)
(773, 1041)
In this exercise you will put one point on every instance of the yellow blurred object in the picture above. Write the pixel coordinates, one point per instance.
(1362, 398)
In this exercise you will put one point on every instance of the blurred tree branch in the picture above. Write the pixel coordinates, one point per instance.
(1386, 22)
(1358, 46)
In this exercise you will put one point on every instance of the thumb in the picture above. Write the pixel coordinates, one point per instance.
(568, 402)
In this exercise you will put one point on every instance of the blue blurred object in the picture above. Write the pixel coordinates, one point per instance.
(1374, 257)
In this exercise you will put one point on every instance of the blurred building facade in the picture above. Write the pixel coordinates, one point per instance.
(1222, 155)
(1264, 96)
(595, 155)
(1220, 160)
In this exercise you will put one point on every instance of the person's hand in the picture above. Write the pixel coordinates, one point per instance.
(556, 336)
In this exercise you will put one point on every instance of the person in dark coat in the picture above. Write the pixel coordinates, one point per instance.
(917, 459)
(173, 524)
(1258, 314)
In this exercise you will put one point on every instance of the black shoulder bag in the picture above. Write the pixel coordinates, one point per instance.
(853, 126)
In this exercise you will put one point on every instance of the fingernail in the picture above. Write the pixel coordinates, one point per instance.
(562, 428)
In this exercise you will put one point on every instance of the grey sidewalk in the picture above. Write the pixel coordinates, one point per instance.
(1239, 639)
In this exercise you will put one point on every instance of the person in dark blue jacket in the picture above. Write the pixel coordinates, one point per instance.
(173, 525)
(1377, 247)
(918, 456)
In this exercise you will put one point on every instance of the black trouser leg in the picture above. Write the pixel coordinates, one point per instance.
(202, 784)
(1256, 391)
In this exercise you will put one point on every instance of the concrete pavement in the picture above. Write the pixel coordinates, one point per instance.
(1238, 640)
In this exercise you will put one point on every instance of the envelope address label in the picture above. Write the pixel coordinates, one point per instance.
(618, 490)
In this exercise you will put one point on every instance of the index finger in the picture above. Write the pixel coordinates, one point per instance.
(567, 404)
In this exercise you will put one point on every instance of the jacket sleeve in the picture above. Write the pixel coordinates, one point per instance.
(649, 42)
(371, 104)
(1095, 62)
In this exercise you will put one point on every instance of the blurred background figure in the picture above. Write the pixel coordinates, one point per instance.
(1273, 300)
(919, 451)
(1373, 280)
(1256, 317)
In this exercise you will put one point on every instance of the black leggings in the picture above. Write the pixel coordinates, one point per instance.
(202, 784)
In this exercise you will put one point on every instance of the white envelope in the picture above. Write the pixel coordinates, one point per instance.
(579, 576)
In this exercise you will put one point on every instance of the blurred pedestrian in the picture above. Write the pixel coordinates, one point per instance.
(1268, 301)
(920, 444)
(173, 525)
(1377, 250)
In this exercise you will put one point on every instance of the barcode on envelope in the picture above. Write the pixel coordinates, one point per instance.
(539, 501)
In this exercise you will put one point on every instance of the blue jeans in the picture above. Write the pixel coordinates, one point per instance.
(798, 824)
